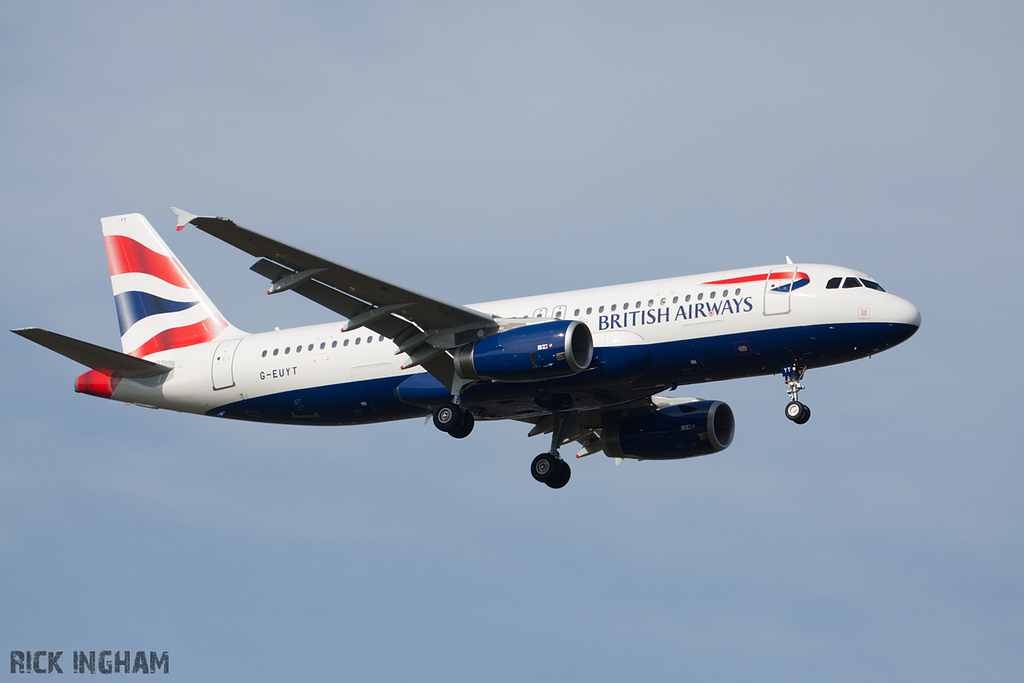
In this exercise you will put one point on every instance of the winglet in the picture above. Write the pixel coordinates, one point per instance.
(184, 217)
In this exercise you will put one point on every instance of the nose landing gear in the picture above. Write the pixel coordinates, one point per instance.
(795, 410)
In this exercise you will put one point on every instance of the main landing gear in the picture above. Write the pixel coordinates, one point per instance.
(795, 410)
(454, 419)
(549, 468)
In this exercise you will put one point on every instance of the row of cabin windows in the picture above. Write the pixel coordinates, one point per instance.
(323, 345)
(541, 312)
(852, 282)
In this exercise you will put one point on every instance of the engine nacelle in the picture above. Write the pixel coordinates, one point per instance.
(680, 431)
(532, 352)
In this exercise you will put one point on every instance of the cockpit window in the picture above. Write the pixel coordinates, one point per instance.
(870, 284)
(852, 282)
(834, 283)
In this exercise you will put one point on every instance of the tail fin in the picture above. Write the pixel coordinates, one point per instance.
(159, 305)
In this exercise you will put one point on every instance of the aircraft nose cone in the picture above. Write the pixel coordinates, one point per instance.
(902, 311)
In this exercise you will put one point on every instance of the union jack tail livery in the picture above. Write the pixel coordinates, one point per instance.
(159, 305)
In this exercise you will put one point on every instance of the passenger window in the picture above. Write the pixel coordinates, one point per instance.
(662, 301)
(613, 308)
(589, 309)
(737, 293)
(852, 282)
(287, 349)
(540, 313)
(358, 339)
(275, 352)
(638, 304)
(871, 284)
(834, 283)
(710, 297)
(675, 299)
(625, 306)
(264, 353)
(576, 313)
(323, 344)
(601, 310)
(725, 293)
(334, 344)
(369, 339)
(310, 348)
(687, 297)
(298, 349)
(700, 296)
(380, 338)
(345, 343)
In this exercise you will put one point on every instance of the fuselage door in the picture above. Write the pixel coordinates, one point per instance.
(777, 289)
(223, 377)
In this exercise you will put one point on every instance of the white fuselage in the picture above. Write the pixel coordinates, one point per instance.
(658, 312)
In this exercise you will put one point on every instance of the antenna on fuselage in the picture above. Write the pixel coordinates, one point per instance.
(789, 260)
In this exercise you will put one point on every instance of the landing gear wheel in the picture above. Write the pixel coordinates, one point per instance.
(544, 467)
(448, 417)
(561, 476)
(465, 428)
(798, 412)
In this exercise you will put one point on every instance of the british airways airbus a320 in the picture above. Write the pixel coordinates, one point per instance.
(584, 366)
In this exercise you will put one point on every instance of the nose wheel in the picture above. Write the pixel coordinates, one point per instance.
(795, 410)
(798, 412)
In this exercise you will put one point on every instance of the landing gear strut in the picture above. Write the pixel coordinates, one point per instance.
(549, 468)
(795, 410)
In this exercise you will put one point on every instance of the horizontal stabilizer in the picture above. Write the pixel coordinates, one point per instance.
(90, 355)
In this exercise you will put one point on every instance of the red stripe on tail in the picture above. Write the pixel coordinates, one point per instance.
(125, 255)
(178, 337)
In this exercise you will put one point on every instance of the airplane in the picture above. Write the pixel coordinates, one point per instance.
(584, 366)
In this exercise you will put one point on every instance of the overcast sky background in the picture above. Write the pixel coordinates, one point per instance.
(480, 152)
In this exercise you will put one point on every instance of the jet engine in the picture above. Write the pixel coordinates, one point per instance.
(679, 431)
(557, 348)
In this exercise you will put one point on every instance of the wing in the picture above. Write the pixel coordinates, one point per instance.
(585, 427)
(424, 327)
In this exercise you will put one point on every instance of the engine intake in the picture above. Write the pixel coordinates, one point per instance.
(532, 352)
(680, 431)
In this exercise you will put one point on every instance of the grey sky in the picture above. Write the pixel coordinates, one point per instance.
(476, 153)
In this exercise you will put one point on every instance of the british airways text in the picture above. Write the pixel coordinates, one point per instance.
(652, 316)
